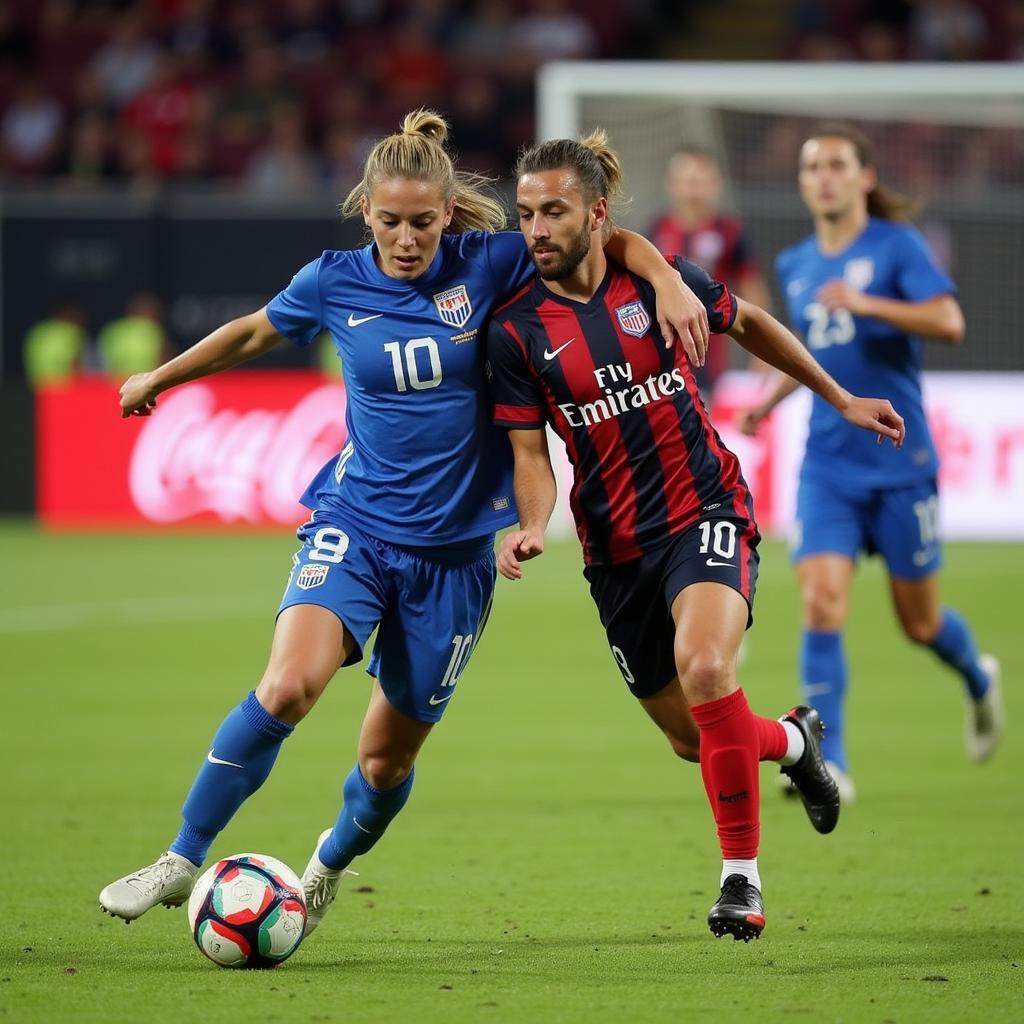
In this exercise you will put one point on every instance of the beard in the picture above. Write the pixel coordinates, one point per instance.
(568, 259)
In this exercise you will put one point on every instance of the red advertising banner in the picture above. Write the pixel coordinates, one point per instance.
(238, 449)
(235, 449)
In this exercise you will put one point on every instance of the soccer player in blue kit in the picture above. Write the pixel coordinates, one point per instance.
(864, 290)
(402, 531)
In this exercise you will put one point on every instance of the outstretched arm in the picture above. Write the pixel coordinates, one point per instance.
(535, 491)
(937, 319)
(227, 346)
(763, 336)
(679, 311)
(782, 387)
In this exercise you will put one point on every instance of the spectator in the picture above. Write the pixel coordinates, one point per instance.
(344, 155)
(195, 38)
(695, 228)
(286, 166)
(948, 30)
(411, 70)
(54, 348)
(134, 160)
(263, 85)
(553, 32)
(164, 112)
(474, 114)
(15, 49)
(483, 37)
(307, 30)
(127, 63)
(31, 129)
(134, 343)
(88, 163)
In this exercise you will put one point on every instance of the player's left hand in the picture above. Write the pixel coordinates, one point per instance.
(878, 415)
(681, 314)
(517, 547)
(836, 294)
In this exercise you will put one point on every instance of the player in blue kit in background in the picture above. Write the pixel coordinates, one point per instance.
(864, 290)
(402, 531)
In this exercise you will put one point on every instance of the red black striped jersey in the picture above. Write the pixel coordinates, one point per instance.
(647, 462)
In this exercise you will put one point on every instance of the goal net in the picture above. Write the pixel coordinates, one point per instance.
(950, 135)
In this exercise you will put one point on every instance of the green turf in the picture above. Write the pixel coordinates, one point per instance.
(555, 863)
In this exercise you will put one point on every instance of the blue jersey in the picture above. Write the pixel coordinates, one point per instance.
(423, 464)
(866, 356)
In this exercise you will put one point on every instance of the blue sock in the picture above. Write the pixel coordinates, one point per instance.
(823, 678)
(243, 752)
(364, 816)
(955, 646)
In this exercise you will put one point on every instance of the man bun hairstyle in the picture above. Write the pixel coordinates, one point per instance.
(417, 152)
(596, 165)
(883, 202)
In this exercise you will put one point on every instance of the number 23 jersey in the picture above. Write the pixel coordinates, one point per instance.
(867, 356)
(423, 464)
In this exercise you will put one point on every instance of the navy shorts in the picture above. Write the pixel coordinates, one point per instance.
(899, 523)
(634, 599)
(429, 606)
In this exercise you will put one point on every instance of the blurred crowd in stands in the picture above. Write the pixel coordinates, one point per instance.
(283, 98)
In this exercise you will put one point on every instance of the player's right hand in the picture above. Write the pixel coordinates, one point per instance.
(748, 420)
(138, 395)
(517, 547)
(878, 415)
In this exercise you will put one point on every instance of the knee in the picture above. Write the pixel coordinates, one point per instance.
(921, 629)
(705, 674)
(824, 605)
(383, 771)
(289, 692)
(685, 747)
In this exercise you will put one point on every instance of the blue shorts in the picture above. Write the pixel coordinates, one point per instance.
(430, 604)
(899, 523)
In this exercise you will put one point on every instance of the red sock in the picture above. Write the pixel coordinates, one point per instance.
(732, 742)
(773, 739)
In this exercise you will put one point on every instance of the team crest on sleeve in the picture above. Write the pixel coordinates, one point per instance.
(859, 273)
(634, 319)
(311, 576)
(453, 306)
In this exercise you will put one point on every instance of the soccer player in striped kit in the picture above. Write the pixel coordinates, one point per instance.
(662, 510)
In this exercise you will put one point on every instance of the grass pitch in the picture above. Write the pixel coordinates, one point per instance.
(555, 862)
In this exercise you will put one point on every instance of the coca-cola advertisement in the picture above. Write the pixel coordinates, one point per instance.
(235, 449)
(238, 449)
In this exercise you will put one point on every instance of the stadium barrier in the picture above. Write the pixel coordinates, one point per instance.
(238, 449)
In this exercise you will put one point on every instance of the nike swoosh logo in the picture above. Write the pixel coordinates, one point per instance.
(355, 321)
(360, 827)
(711, 561)
(434, 701)
(561, 348)
(218, 760)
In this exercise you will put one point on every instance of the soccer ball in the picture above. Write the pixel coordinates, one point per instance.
(247, 911)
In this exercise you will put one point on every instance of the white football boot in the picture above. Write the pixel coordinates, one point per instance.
(986, 717)
(320, 884)
(169, 881)
(844, 783)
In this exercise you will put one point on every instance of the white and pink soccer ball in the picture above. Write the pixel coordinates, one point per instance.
(247, 911)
